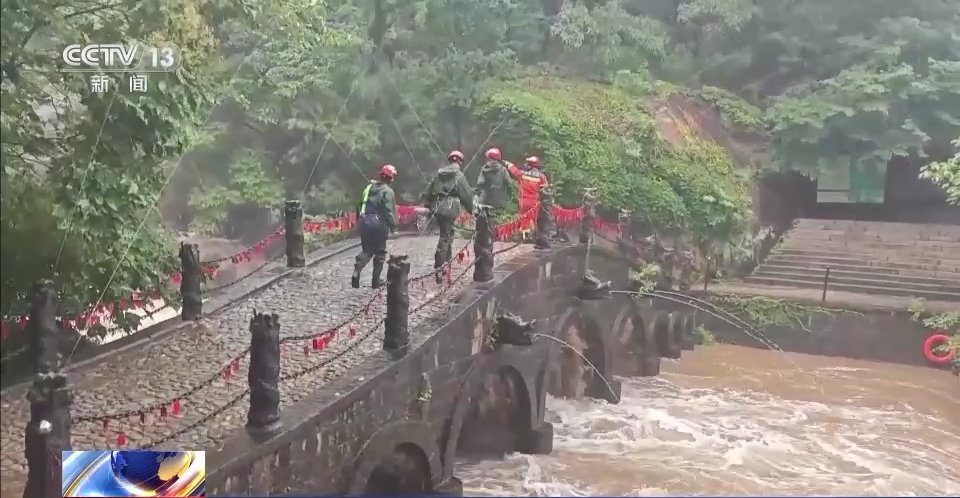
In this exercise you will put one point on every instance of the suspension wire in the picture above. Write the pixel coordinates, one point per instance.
(763, 340)
(484, 143)
(415, 114)
(336, 121)
(433, 213)
(83, 179)
(426, 130)
(712, 306)
(581, 355)
(416, 163)
(149, 212)
(344, 152)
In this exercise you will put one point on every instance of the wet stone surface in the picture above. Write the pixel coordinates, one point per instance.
(311, 300)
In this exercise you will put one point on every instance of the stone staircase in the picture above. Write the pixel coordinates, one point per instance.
(894, 259)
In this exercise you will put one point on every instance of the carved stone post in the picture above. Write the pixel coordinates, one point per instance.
(48, 432)
(544, 218)
(483, 246)
(688, 260)
(396, 335)
(589, 215)
(591, 288)
(191, 274)
(667, 264)
(623, 221)
(293, 225)
(511, 329)
(263, 417)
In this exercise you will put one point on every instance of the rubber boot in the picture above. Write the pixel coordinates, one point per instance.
(375, 282)
(355, 278)
(438, 266)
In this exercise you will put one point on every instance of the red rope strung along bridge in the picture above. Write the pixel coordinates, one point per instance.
(307, 344)
(155, 414)
(151, 300)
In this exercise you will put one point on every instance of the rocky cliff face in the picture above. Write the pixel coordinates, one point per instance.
(679, 117)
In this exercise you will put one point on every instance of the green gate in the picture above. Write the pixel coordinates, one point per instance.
(857, 183)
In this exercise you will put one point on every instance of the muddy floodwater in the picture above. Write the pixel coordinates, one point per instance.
(732, 420)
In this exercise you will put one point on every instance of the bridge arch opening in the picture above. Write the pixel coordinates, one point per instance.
(405, 470)
(631, 336)
(499, 415)
(688, 336)
(573, 371)
(668, 344)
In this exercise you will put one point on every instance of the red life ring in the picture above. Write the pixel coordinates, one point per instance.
(932, 343)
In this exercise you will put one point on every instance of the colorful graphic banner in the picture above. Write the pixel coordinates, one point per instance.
(134, 473)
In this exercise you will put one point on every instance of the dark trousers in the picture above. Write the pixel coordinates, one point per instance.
(445, 242)
(373, 244)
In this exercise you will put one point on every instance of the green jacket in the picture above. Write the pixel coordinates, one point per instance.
(447, 191)
(378, 199)
(494, 185)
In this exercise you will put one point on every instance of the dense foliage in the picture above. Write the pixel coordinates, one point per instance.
(944, 323)
(82, 173)
(304, 98)
(946, 174)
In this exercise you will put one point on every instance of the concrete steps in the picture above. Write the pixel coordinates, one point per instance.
(912, 231)
(895, 259)
(859, 280)
(950, 250)
(860, 289)
(858, 266)
(824, 261)
(892, 234)
(892, 260)
(839, 274)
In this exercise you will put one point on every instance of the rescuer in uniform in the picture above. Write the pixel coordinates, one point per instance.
(377, 218)
(530, 179)
(493, 184)
(447, 191)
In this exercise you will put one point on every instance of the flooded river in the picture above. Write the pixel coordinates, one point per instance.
(730, 420)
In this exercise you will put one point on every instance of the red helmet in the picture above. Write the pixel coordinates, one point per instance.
(455, 156)
(494, 154)
(388, 171)
(533, 161)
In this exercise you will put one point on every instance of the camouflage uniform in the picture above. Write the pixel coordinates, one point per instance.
(445, 195)
(377, 217)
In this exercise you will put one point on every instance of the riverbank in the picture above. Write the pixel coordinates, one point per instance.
(876, 333)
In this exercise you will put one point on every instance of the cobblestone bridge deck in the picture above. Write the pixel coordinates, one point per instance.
(309, 300)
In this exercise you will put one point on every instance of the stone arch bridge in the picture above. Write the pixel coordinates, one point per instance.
(402, 430)
(363, 423)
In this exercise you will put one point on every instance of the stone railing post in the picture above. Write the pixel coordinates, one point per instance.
(483, 246)
(511, 329)
(396, 335)
(263, 417)
(667, 264)
(688, 260)
(591, 288)
(293, 226)
(589, 215)
(48, 431)
(623, 223)
(544, 218)
(191, 274)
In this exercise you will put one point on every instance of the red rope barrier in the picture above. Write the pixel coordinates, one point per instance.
(406, 213)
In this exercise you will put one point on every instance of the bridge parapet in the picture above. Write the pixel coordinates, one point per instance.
(399, 426)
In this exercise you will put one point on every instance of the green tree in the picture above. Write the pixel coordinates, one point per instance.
(946, 174)
(309, 97)
(98, 163)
